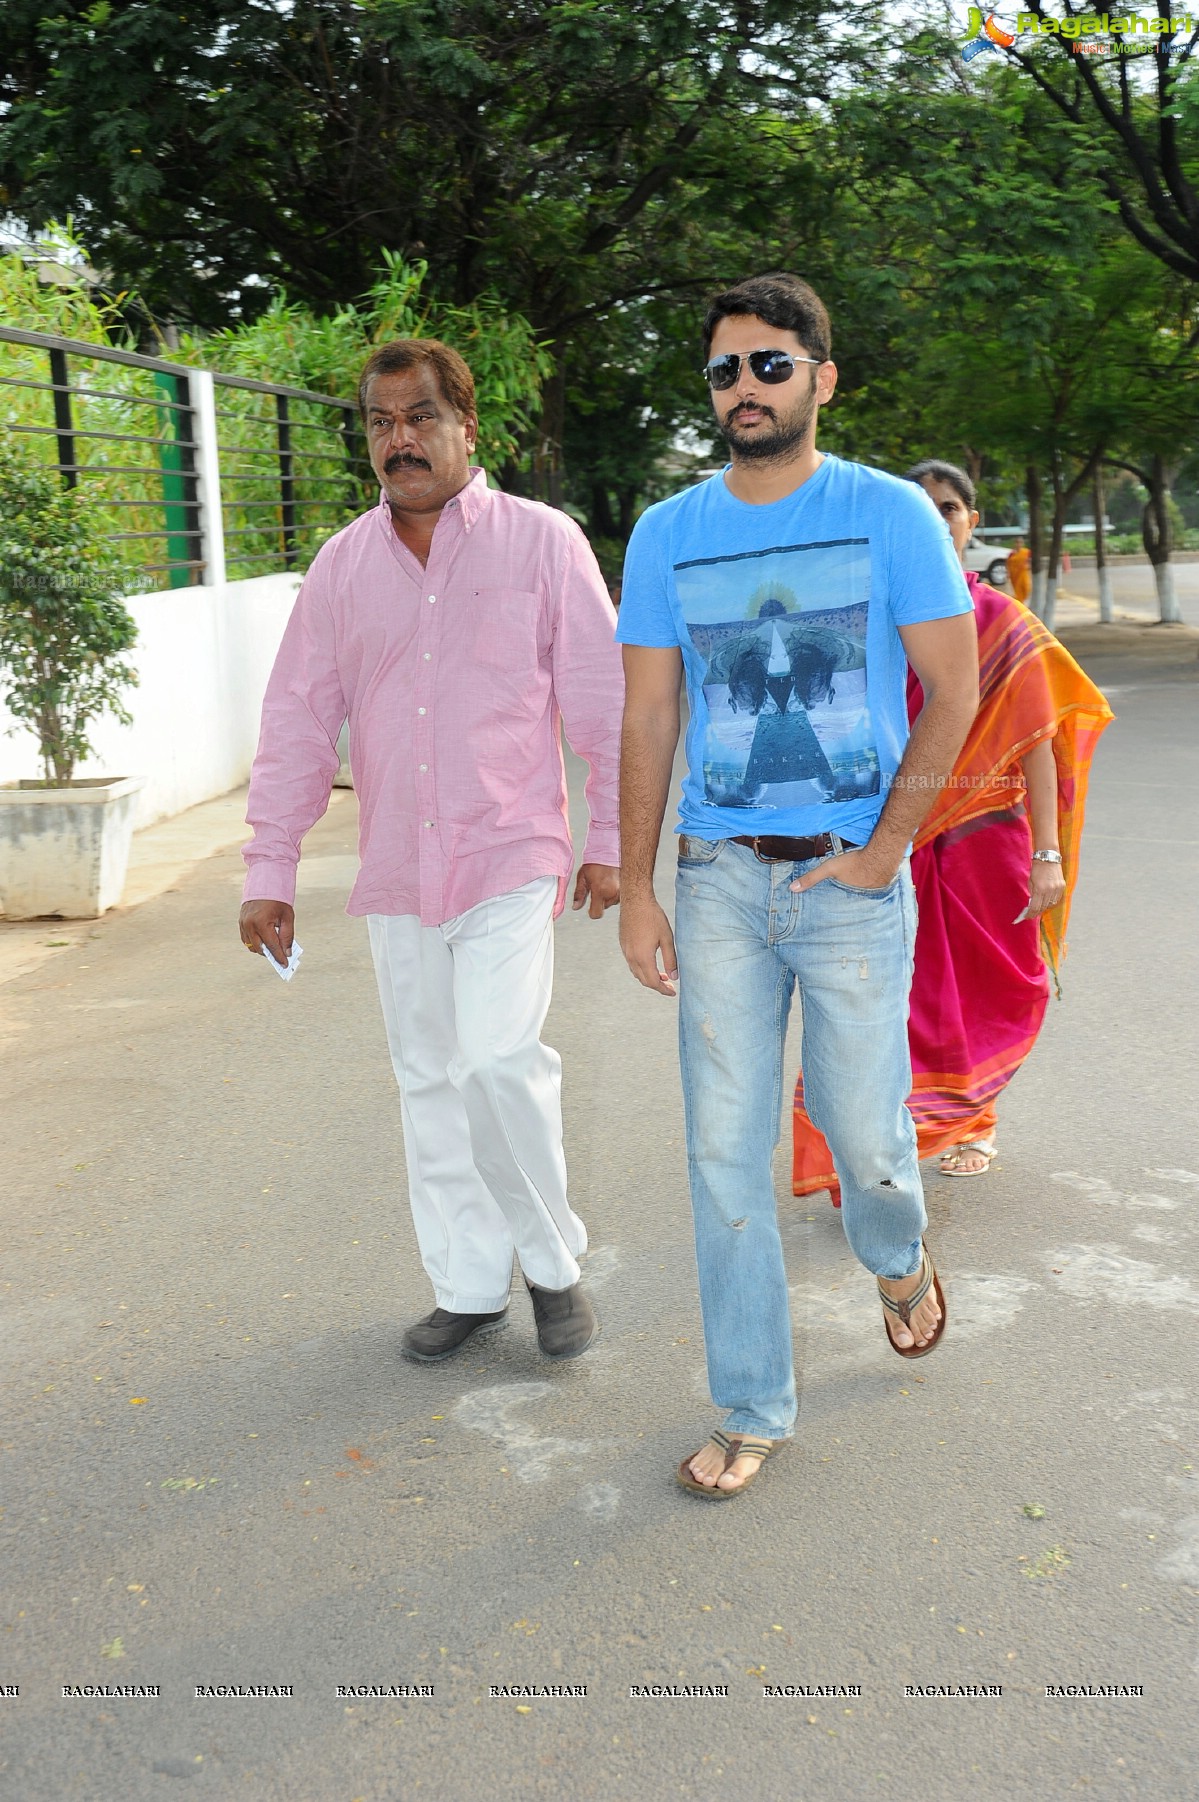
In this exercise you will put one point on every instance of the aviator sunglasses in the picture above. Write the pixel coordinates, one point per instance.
(769, 366)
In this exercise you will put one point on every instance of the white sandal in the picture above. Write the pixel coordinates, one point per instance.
(983, 1148)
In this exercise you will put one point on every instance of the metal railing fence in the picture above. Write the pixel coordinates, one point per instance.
(203, 476)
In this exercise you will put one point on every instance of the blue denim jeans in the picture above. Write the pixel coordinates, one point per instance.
(744, 940)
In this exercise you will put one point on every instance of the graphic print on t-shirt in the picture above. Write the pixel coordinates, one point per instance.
(782, 635)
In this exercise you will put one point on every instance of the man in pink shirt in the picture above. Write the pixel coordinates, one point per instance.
(455, 628)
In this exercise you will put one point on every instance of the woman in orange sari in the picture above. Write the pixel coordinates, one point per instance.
(994, 866)
(1019, 570)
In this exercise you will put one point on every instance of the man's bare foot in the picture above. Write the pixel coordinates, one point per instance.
(925, 1317)
(707, 1467)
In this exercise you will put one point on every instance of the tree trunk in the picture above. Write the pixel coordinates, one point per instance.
(58, 766)
(1158, 538)
(547, 454)
(514, 480)
(1168, 609)
(1036, 527)
(1099, 505)
(1048, 609)
(602, 520)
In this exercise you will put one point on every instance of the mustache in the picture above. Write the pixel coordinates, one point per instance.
(396, 461)
(754, 407)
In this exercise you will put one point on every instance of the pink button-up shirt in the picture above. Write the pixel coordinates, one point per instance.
(454, 678)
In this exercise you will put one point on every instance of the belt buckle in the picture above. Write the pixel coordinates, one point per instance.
(820, 844)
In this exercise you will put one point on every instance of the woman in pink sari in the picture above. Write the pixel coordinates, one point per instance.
(994, 866)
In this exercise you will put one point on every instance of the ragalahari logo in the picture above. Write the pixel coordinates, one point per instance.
(1093, 34)
(982, 34)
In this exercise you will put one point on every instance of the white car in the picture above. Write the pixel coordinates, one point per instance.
(986, 560)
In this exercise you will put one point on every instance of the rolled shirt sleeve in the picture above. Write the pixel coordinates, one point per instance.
(302, 714)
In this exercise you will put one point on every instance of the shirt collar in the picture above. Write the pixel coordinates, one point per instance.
(474, 498)
(470, 501)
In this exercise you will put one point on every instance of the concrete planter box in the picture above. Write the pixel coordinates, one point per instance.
(65, 850)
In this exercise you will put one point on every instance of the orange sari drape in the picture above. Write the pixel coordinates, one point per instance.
(970, 863)
(1030, 688)
(1019, 573)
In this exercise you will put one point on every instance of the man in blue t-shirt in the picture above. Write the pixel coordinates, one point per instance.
(793, 589)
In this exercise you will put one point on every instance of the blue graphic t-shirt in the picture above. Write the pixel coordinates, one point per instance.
(787, 616)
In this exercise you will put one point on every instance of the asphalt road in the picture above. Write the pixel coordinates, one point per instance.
(217, 1469)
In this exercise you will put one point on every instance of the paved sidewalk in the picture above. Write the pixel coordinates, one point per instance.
(1134, 589)
(1130, 633)
(159, 859)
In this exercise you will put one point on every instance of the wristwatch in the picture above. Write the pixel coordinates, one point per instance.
(1047, 857)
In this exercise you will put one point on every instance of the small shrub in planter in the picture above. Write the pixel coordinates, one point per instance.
(64, 632)
(63, 626)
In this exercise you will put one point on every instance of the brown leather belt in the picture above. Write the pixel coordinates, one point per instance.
(796, 850)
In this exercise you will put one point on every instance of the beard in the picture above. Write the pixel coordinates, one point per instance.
(787, 431)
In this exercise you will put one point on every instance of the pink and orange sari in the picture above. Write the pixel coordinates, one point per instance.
(981, 983)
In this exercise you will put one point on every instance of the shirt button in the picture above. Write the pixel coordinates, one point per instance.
(420, 710)
(428, 656)
(432, 598)
(428, 823)
(424, 767)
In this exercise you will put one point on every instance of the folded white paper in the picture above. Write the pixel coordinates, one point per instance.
(285, 971)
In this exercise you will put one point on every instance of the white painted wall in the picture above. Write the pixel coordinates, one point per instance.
(203, 655)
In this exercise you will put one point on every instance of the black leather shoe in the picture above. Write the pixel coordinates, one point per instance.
(566, 1320)
(441, 1333)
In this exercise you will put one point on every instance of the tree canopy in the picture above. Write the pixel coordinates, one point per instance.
(1141, 106)
(512, 145)
(1009, 248)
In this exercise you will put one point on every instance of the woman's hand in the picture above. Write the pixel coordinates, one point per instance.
(1046, 887)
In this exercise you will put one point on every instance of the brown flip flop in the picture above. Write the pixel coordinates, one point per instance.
(733, 1446)
(928, 1280)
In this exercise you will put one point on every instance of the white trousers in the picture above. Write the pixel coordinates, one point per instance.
(464, 1004)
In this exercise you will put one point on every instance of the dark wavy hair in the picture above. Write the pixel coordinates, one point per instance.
(780, 300)
(453, 377)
